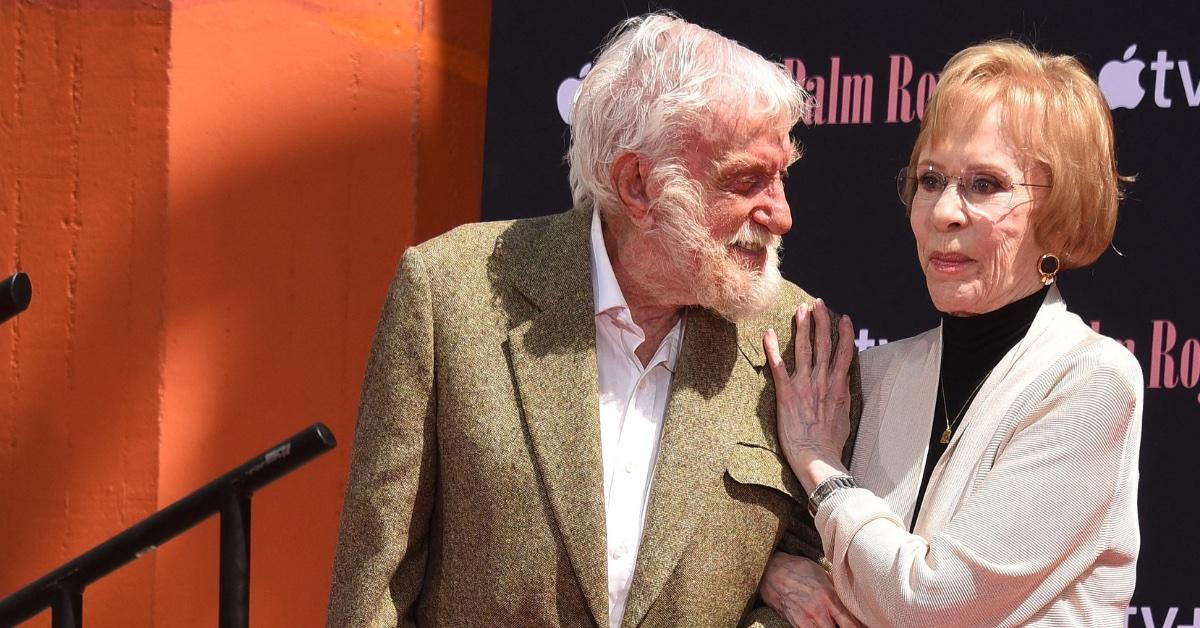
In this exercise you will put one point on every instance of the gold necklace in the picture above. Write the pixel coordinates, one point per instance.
(950, 425)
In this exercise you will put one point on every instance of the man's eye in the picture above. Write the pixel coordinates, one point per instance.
(931, 182)
(744, 185)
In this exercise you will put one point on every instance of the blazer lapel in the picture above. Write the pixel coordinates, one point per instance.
(553, 356)
(695, 444)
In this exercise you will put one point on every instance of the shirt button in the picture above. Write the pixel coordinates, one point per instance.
(619, 551)
(629, 467)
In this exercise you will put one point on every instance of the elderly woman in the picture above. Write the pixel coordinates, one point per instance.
(994, 477)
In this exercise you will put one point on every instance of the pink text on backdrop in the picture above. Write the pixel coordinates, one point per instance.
(843, 97)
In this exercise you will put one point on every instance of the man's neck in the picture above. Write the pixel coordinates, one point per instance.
(649, 311)
(656, 322)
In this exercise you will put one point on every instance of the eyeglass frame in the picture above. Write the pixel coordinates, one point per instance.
(958, 186)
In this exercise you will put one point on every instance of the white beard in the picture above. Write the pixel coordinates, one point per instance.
(726, 287)
(691, 268)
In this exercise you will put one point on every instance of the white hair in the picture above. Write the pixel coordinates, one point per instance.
(660, 82)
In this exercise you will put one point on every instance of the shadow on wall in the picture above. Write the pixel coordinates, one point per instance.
(275, 276)
(186, 321)
(295, 186)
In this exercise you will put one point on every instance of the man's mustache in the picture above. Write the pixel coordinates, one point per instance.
(754, 235)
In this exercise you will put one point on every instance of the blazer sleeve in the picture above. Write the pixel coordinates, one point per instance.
(1059, 493)
(381, 551)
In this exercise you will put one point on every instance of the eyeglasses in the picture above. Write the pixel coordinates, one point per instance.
(983, 193)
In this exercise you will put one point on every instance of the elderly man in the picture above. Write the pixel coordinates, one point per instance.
(566, 421)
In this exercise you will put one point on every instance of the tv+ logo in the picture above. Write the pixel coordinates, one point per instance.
(1122, 84)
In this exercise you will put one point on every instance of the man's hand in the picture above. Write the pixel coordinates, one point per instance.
(796, 588)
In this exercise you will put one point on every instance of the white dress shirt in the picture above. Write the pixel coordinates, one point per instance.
(632, 402)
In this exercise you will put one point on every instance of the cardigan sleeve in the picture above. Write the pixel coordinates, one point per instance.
(1040, 518)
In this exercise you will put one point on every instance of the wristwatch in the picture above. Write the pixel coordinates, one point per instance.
(830, 486)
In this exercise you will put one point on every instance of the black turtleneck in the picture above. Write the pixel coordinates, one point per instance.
(971, 347)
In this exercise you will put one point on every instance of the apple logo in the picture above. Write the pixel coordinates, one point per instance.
(567, 90)
(1119, 81)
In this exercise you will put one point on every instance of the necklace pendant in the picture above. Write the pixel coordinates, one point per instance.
(946, 436)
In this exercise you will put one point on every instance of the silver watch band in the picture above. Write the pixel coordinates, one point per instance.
(830, 486)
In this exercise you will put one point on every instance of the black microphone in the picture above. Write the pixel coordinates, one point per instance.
(15, 293)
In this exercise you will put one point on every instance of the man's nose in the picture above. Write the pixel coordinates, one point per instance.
(773, 212)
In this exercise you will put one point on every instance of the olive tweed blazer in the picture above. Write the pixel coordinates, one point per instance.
(475, 495)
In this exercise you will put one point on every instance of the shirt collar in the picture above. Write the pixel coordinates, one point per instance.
(605, 289)
(610, 301)
(672, 343)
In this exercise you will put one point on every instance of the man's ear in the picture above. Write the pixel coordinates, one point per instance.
(629, 173)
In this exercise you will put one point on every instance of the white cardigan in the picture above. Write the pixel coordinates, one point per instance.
(1030, 517)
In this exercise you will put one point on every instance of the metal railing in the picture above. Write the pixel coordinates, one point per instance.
(229, 495)
(15, 292)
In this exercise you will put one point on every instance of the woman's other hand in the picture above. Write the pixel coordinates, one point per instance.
(797, 589)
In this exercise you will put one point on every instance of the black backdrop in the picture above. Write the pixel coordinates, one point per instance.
(851, 243)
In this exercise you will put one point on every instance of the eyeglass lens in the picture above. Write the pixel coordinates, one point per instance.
(981, 191)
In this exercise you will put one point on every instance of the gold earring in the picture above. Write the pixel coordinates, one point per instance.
(1048, 267)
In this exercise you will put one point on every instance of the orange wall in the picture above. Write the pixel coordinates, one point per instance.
(83, 111)
(219, 294)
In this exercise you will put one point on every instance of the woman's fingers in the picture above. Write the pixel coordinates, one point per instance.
(842, 616)
(845, 619)
(811, 402)
(821, 321)
(771, 347)
(803, 349)
(799, 591)
(822, 619)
